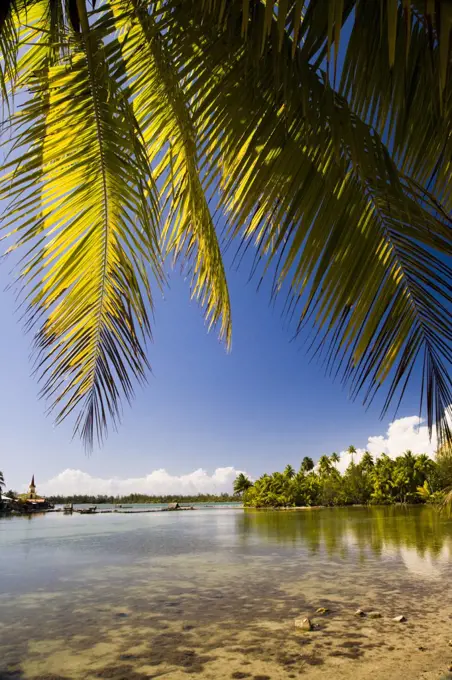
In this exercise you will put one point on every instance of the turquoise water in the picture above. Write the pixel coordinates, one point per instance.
(214, 592)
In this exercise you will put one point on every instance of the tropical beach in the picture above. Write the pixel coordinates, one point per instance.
(226, 347)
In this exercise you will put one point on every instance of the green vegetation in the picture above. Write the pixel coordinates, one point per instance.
(11, 494)
(406, 479)
(143, 498)
(241, 484)
(142, 121)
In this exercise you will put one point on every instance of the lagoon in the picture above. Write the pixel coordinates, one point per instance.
(214, 594)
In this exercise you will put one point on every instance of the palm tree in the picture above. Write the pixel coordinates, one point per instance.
(335, 457)
(367, 462)
(351, 450)
(307, 464)
(424, 462)
(2, 483)
(242, 483)
(138, 116)
(289, 471)
(325, 466)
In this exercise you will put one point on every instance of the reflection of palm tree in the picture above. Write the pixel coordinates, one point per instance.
(242, 483)
(289, 472)
(420, 529)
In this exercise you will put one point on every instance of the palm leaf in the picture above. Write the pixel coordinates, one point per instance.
(359, 248)
(163, 113)
(84, 202)
(9, 43)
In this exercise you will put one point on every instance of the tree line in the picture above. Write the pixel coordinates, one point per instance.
(142, 498)
(409, 478)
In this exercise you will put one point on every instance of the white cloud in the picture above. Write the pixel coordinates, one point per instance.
(71, 482)
(402, 434)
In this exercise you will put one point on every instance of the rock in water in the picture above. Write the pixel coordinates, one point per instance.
(374, 615)
(399, 619)
(359, 612)
(303, 624)
(322, 610)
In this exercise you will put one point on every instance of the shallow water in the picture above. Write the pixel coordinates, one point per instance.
(214, 593)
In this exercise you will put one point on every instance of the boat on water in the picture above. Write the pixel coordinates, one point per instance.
(86, 511)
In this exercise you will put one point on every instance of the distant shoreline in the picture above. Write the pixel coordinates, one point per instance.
(139, 499)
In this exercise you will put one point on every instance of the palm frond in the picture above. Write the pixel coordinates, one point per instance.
(9, 44)
(392, 98)
(83, 203)
(364, 250)
(164, 116)
(397, 50)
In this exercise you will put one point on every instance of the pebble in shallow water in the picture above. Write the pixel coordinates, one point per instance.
(303, 624)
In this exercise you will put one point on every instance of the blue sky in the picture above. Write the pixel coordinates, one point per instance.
(256, 409)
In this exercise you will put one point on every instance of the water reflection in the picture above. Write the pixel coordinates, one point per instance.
(383, 531)
(212, 593)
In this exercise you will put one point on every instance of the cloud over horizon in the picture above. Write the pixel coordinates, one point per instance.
(72, 482)
(402, 434)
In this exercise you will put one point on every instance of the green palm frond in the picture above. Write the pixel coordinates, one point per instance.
(316, 25)
(393, 98)
(396, 52)
(9, 43)
(163, 113)
(364, 249)
(84, 202)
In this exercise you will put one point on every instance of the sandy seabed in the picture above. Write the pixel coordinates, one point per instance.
(225, 621)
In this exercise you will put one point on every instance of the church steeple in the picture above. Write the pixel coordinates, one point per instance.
(32, 488)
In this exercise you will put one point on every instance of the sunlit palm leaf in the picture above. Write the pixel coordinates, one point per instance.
(9, 43)
(84, 201)
(164, 117)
